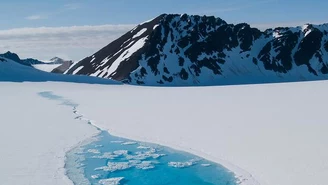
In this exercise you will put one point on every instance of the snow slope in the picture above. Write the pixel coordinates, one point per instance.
(46, 67)
(277, 132)
(14, 72)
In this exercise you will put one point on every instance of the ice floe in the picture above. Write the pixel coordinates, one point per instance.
(121, 152)
(115, 166)
(106, 155)
(143, 147)
(111, 181)
(183, 164)
(95, 176)
(118, 166)
(145, 165)
(94, 151)
(180, 164)
(111, 155)
(142, 155)
(129, 143)
(117, 141)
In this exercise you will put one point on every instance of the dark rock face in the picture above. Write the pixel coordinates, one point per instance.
(309, 46)
(202, 50)
(282, 60)
(326, 46)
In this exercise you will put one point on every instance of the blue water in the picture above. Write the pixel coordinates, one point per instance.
(110, 157)
(109, 160)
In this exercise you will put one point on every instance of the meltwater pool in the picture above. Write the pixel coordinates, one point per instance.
(109, 160)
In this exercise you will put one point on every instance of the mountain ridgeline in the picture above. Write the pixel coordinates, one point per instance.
(25, 62)
(184, 50)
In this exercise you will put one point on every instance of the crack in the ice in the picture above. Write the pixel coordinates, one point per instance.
(51, 96)
(66, 102)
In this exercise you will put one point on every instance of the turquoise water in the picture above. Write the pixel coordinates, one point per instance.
(109, 160)
(112, 160)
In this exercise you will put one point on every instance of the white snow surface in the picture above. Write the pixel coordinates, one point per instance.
(35, 135)
(271, 134)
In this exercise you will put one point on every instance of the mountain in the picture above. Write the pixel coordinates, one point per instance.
(15, 57)
(55, 65)
(32, 61)
(57, 60)
(178, 50)
(14, 72)
(63, 67)
(11, 56)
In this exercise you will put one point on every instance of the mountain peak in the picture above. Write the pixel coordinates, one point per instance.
(14, 57)
(11, 56)
(181, 49)
(57, 60)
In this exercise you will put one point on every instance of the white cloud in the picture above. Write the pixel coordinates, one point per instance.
(65, 8)
(75, 42)
(72, 6)
(35, 17)
(264, 26)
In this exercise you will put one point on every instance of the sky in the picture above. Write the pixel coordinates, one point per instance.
(75, 29)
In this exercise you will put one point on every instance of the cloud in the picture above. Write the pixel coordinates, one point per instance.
(264, 26)
(35, 17)
(72, 6)
(75, 42)
(64, 9)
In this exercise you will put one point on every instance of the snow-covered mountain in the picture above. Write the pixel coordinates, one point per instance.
(201, 50)
(14, 72)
